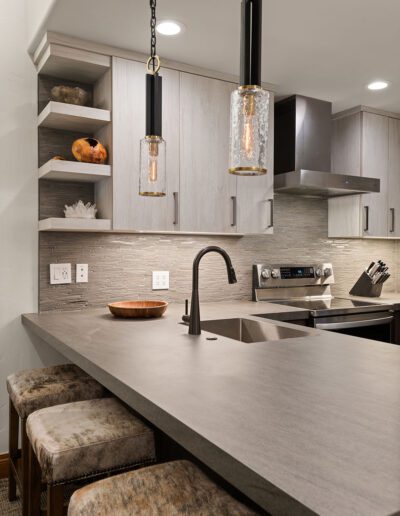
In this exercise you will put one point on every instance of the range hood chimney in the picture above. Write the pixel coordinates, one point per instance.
(302, 155)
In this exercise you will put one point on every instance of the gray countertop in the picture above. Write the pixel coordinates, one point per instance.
(304, 425)
(392, 298)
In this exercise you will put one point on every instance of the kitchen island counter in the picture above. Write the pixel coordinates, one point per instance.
(301, 426)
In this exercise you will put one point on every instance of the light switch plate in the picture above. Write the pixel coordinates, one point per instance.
(82, 273)
(60, 273)
(160, 280)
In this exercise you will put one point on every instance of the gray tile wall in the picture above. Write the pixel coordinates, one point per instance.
(120, 265)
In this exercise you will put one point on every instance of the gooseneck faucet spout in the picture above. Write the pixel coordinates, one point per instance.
(194, 321)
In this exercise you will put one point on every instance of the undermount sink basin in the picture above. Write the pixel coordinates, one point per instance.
(247, 330)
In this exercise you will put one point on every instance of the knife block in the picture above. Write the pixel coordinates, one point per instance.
(365, 288)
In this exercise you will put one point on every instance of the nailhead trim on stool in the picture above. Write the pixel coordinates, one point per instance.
(162, 490)
(83, 439)
(33, 389)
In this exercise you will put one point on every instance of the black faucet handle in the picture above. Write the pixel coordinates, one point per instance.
(186, 317)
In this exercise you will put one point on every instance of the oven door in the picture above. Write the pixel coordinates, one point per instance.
(375, 325)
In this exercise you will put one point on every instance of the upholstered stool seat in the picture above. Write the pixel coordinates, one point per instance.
(164, 489)
(34, 389)
(39, 388)
(84, 439)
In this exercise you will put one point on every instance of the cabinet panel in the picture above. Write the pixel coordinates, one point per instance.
(255, 194)
(375, 150)
(344, 213)
(206, 187)
(394, 178)
(132, 211)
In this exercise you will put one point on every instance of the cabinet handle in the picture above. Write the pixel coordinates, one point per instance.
(366, 226)
(234, 210)
(176, 208)
(392, 214)
(271, 204)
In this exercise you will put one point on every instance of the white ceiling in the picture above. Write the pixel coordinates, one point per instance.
(322, 48)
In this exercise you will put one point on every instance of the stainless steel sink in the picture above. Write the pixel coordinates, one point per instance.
(247, 330)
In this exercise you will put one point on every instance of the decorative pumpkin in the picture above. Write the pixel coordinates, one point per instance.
(89, 150)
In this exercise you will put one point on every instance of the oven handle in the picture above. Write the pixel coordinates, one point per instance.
(354, 324)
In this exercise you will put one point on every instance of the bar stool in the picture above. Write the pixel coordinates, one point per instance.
(164, 489)
(80, 440)
(33, 389)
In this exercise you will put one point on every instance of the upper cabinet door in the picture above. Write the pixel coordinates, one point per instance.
(132, 211)
(255, 194)
(207, 190)
(394, 178)
(375, 150)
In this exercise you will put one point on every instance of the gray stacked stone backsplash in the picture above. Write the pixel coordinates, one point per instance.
(120, 265)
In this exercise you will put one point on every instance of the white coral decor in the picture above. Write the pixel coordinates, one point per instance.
(80, 211)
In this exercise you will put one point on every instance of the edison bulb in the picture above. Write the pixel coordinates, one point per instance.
(248, 129)
(152, 167)
(153, 155)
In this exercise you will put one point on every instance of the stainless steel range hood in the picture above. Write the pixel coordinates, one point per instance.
(302, 155)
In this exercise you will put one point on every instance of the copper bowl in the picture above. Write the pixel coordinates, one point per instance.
(138, 308)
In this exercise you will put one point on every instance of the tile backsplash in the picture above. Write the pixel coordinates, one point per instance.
(120, 265)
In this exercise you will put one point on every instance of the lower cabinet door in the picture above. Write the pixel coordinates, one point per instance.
(132, 211)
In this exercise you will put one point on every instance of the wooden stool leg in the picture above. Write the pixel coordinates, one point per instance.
(55, 500)
(25, 445)
(12, 450)
(35, 483)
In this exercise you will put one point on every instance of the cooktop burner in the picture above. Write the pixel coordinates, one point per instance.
(335, 305)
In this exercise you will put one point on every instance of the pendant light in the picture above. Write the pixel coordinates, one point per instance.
(152, 181)
(249, 103)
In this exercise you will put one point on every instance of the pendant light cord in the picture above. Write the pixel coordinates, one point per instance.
(153, 39)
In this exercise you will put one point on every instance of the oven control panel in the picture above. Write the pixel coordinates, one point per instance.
(288, 275)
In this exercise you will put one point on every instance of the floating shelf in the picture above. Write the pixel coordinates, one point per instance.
(82, 225)
(60, 170)
(57, 115)
(72, 64)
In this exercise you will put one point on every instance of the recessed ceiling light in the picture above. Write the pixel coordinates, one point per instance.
(169, 27)
(377, 85)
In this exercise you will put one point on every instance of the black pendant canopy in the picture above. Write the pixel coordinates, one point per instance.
(153, 104)
(250, 47)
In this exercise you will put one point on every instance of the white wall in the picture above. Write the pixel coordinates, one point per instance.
(18, 203)
(37, 13)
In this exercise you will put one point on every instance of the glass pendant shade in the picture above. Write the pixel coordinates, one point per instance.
(249, 131)
(152, 167)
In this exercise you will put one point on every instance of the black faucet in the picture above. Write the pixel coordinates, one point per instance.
(194, 320)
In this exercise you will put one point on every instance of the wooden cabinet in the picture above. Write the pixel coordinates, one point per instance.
(132, 211)
(394, 178)
(206, 187)
(211, 199)
(201, 195)
(375, 148)
(366, 143)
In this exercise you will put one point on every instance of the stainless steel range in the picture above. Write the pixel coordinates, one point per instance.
(309, 287)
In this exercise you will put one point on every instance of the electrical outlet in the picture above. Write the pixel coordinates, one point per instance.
(60, 273)
(160, 280)
(82, 273)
